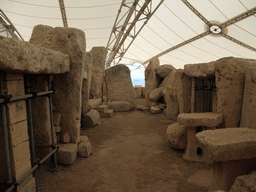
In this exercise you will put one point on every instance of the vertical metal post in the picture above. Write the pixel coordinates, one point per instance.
(5, 132)
(209, 96)
(202, 95)
(31, 129)
(52, 126)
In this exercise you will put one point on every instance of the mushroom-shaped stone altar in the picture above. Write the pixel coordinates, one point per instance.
(195, 123)
(233, 151)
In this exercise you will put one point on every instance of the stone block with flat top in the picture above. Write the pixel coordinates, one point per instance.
(233, 151)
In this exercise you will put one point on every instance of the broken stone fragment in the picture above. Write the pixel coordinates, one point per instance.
(155, 110)
(83, 138)
(84, 149)
(91, 118)
(57, 128)
(177, 136)
(156, 94)
(65, 138)
(164, 70)
(66, 154)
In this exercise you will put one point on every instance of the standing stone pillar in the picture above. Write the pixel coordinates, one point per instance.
(151, 78)
(68, 87)
(98, 65)
(87, 76)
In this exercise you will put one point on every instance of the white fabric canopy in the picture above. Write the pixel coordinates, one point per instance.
(172, 24)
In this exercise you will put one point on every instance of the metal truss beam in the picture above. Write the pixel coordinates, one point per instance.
(179, 45)
(9, 27)
(63, 13)
(239, 17)
(196, 12)
(238, 42)
(130, 28)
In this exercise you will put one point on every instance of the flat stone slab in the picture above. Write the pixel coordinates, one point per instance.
(228, 144)
(119, 106)
(94, 103)
(24, 57)
(200, 119)
(200, 70)
(102, 108)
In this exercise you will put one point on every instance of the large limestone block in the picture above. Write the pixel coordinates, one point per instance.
(151, 79)
(170, 98)
(229, 79)
(84, 149)
(156, 94)
(200, 70)
(177, 136)
(169, 80)
(119, 106)
(228, 144)
(91, 118)
(245, 183)
(248, 117)
(98, 64)
(119, 85)
(183, 87)
(25, 57)
(66, 154)
(164, 70)
(138, 91)
(200, 119)
(86, 87)
(68, 87)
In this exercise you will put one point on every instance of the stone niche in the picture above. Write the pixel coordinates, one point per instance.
(219, 87)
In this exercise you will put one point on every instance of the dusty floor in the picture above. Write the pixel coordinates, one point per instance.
(130, 154)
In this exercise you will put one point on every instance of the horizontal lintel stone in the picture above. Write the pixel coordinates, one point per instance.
(24, 57)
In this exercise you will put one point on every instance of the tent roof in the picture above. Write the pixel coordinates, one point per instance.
(173, 23)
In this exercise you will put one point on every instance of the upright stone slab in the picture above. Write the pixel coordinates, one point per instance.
(172, 107)
(86, 87)
(151, 78)
(119, 85)
(183, 87)
(138, 90)
(248, 117)
(169, 80)
(230, 76)
(98, 64)
(68, 87)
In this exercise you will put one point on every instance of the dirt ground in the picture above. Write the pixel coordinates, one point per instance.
(130, 153)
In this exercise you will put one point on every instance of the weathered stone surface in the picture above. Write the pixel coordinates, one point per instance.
(94, 103)
(200, 70)
(230, 75)
(155, 110)
(84, 149)
(57, 129)
(139, 107)
(86, 87)
(143, 90)
(65, 138)
(169, 80)
(138, 91)
(107, 114)
(68, 87)
(164, 70)
(245, 183)
(177, 136)
(24, 57)
(98, 64)
(183, 87)
(102, 108)
(83, 138)
(91, 118)
(151, 78)
(119, 85)
(172, 107)
(156, 94)
(119, 106)
(248, 117)
(66, 154)
(56, 118)
(228, 144)
(200, 119)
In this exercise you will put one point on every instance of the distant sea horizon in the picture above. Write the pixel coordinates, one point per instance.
(138, 81)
